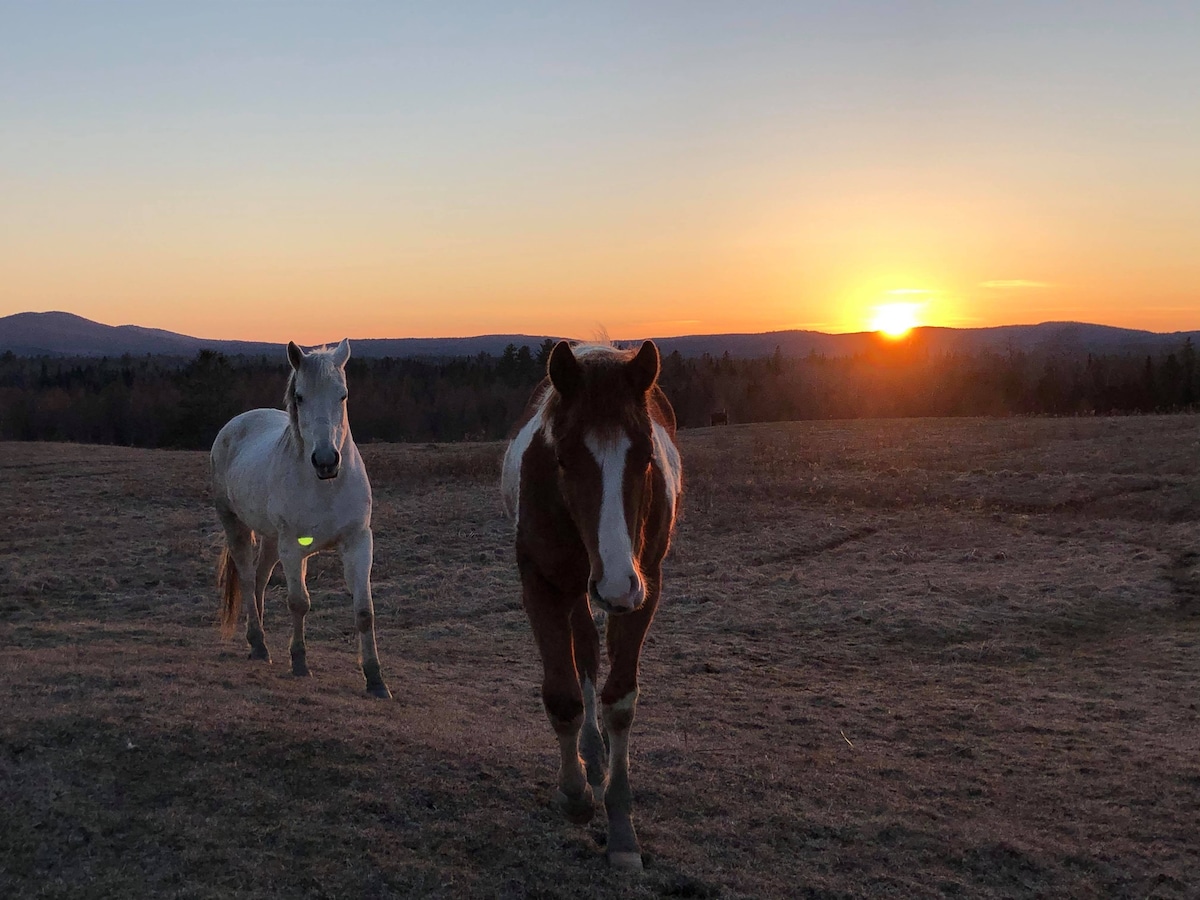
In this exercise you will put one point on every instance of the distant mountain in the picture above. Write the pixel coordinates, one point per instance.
(1048, 337)
(65, 334)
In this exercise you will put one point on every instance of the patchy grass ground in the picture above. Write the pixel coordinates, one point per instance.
(895, 659)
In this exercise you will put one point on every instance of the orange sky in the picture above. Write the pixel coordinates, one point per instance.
(386, 174)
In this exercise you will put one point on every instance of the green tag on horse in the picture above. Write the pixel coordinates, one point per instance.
(304, 541)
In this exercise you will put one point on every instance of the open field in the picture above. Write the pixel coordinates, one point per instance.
(895, 659)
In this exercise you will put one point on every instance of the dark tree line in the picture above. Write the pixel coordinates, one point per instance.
(166, 402)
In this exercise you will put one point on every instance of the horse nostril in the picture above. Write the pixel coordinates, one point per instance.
(326, 460)
(633, 585)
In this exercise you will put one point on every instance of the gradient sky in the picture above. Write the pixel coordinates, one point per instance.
(271, 171)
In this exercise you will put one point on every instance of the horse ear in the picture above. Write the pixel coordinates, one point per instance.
(341, 353)
(295, 355)
(643, 368)
(563, 369)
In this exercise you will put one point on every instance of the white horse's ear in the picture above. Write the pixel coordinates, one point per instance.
(341, 353)
(295, 355)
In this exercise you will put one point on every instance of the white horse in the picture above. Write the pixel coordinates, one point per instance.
(294, 484)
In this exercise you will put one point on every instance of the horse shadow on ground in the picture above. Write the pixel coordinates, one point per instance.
(137, 808)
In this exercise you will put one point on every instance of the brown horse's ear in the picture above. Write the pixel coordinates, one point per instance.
(295, 355)
(643, 368)
(563, 369)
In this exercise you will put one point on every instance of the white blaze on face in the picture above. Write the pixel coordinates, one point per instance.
(615, 546)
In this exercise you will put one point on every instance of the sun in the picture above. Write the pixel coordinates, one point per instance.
(895, 320)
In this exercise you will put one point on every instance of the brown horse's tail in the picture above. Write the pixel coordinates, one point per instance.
(231, 592)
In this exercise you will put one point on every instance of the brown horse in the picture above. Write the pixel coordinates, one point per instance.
(592, 479)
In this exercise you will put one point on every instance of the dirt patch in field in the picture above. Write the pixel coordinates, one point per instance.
(895, 659)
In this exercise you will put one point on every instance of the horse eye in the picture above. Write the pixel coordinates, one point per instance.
(299, 398)
(562, 463)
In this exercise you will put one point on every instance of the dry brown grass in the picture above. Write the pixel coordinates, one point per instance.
(901, 658)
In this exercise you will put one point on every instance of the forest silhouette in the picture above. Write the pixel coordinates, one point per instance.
(155, 401)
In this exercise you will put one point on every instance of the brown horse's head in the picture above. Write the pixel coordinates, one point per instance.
(602, 434)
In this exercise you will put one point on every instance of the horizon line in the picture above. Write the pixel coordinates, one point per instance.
(468, 337)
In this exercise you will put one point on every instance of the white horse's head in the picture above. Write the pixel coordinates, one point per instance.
(316, 404)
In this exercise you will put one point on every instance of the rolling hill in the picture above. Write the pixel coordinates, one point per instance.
(66, 334)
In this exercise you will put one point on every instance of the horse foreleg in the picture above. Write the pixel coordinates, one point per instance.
(356, 561)
(550, 618)
(586, 641)
(624, 636)
(295, 570)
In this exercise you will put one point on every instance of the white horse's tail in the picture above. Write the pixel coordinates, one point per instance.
(231, 592)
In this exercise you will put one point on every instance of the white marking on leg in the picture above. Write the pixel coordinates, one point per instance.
(590, 715)
(510, 475)
(618, 752)
(615, 545)
(629, 701)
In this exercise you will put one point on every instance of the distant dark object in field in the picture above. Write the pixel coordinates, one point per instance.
(720, 417)
(597, 440)
(293, 483)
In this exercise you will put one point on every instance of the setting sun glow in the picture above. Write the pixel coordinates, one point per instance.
(895, 320)
(388, 170)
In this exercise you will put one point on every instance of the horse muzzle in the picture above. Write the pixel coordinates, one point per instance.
(326, 462)
(627, 602)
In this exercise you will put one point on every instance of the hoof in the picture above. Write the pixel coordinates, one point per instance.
(626, 860)
(259, 651)
(379, 690)
(299, 662)
(578, 810)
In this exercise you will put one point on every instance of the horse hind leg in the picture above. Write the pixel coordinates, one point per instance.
(586, 640)
(268, 558)
(240, 541)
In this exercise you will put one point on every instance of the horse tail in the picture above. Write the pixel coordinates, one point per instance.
(231, 592)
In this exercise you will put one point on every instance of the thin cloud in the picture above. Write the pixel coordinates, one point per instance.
(1013, 284)
(667, 323)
